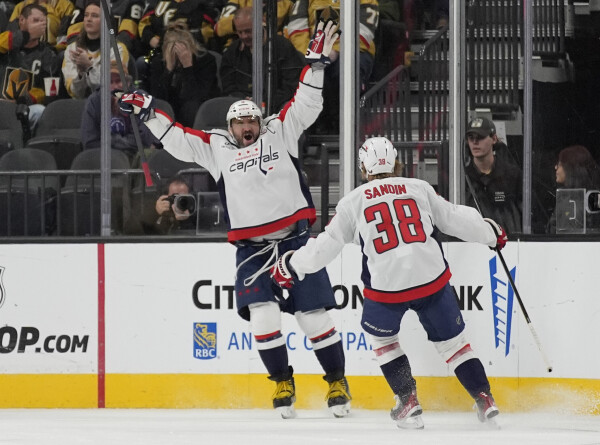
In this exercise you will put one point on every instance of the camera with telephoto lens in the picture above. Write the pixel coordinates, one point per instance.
(182, 203)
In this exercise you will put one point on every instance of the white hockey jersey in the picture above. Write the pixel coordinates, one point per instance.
(261, 185)
(393, 220)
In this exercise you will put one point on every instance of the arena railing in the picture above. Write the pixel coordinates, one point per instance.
(385, 109)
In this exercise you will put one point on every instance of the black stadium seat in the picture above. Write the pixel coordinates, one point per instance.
(59, 131)
(80, 197)
(28, 200)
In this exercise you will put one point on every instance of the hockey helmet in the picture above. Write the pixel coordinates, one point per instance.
(378, 155)
(243, 108)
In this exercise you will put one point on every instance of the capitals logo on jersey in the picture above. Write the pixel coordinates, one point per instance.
(205, 341)
(254, 157)
(502, 304)
(17, 83)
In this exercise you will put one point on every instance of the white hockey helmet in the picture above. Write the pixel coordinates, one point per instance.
(378, 155)
(243, 108)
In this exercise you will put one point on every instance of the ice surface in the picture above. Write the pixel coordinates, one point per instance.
(250, 427)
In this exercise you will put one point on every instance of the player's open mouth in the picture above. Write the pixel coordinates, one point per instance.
(248, 137)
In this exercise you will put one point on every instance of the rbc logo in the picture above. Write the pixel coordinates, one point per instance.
(205, 341)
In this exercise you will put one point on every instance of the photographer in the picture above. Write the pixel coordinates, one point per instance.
(175, 209)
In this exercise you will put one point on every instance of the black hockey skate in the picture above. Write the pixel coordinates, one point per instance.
(407, 412)
(285, 394)
(338, 397)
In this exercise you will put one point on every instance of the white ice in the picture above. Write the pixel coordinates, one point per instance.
(253, 427)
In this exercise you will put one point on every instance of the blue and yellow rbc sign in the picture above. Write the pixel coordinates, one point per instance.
(205, 340)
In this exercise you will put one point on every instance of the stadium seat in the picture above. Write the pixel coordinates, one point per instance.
(59, 131)
(213, 112)
(165, 106)
(80, 197)
(28, 200)
(11, 131)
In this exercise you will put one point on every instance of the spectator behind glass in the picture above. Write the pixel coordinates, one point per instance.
(185, 75)
(125, 13)
(172, 220)
(122, 137)
(303, 19)
(81, 64)
(23, 49)
(576, 169)
(236, 65)
(496, 181)
(57, 11)
(225, 29)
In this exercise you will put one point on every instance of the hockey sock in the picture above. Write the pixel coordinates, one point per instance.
(276, 361)
(332, 359)
(399, 375)
(472, 376)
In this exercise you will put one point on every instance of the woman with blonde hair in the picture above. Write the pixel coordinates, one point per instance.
(185, 76)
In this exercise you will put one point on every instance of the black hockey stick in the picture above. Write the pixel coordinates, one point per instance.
(126, 86)
(512, 283)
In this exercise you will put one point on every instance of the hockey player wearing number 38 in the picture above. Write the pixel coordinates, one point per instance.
(268, 209)
(393, 219)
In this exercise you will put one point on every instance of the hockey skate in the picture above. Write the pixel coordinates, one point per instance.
(486, 408)
(407, 412)
(284, 398)
(338, 397)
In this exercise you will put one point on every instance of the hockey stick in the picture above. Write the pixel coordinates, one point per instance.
(512, 284)
(126, 86)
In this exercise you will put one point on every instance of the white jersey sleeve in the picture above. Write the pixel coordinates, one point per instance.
(186, 144)
(320, 251)
(459, 221)
(303, 109)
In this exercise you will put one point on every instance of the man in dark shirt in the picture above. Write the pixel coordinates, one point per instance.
(236, 65)
(494, 180)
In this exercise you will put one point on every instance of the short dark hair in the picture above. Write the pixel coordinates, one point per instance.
(180, 179)
(26, 11)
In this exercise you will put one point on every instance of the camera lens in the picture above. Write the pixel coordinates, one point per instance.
(185, 203)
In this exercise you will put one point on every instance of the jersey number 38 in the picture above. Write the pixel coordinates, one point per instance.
(406, 225)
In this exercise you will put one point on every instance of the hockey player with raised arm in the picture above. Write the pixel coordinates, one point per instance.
(268, 209)
(394, 219)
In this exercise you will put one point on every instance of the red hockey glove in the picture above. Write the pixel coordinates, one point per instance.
(139, 103)
(319, 47)
(282, 273)
(501, 237)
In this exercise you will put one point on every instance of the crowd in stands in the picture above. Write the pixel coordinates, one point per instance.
(185, 52)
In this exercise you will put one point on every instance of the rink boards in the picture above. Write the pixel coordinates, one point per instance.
(155, 325)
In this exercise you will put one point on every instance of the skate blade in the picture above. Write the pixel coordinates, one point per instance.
(411, 423)
(491, 424)
(286, 412)
(340, 410)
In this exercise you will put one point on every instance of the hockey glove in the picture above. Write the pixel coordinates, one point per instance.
(501, 237)
(319, 47)
(282, 273)
(139, 103)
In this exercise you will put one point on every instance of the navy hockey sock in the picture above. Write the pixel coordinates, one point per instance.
(276, 361)
(332, 359)
(472, 376)
(399, 376)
